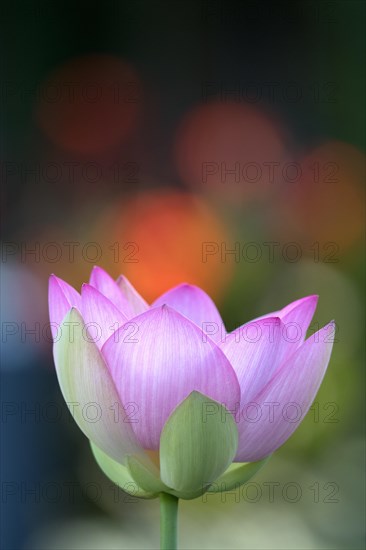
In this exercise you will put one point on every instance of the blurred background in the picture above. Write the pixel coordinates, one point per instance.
(215, 142)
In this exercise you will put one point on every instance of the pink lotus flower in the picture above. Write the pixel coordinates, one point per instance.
(169, 378)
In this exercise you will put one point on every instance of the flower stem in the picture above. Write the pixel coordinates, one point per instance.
(168, 521)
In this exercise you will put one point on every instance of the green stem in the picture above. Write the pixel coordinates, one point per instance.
(168, 521)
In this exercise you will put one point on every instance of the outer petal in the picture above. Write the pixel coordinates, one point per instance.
(119, 474)
(255, 352)
(88, 387)
(194, 303)
(302, 311)
(308, 303)
(167, 360)
(148, 478)
(137, 303)
(296, 318)
(100, 315)
(103, 282)
(237, 474)
(61, 298)
(284, 402)
(196, 445)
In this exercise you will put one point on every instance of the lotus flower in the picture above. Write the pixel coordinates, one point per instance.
(170, 401)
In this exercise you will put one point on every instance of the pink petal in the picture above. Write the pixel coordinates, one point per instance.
(278, 409)
(196, 305)
(161, 363)
(137, 303)
(61, 298)
(307, 307)
(103, 282)
(296, 318)
(101, 317)
(254, 350)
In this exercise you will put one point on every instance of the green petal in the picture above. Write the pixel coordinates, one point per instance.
(237, 474)
(147, 477)
(119, 474)
(89, 390)
(196, 448)
(188, 495)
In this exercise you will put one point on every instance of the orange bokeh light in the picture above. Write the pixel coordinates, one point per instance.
(225, 148)
(90, 104)
(161, 236)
